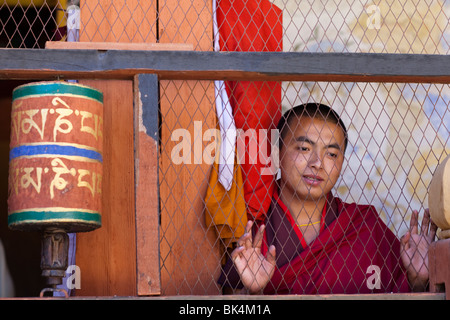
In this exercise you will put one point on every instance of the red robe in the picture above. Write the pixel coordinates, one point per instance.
(353, 245)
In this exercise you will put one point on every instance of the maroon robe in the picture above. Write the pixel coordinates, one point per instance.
(353, 244)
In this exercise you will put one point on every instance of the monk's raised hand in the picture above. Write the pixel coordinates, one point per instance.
(254, 268)
(414, 250)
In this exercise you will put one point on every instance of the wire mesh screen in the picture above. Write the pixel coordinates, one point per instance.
(29, 24)
(397, 133)
(406, 26)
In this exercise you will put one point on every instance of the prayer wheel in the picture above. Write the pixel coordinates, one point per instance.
(55, 162)
(55, 166)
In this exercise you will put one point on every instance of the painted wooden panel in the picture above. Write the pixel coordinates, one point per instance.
(107, 256)
(118, 21)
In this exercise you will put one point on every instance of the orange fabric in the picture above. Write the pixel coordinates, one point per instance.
(226, 209)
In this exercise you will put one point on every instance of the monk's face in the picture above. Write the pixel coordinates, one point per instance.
(311, 158)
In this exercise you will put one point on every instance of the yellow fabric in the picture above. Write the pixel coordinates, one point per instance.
(226, 210)
(61, 18)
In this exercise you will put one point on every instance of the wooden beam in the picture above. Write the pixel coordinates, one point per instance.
(124, 21)
(200, 65)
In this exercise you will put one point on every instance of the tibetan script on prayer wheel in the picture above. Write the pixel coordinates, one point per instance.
(55, 160)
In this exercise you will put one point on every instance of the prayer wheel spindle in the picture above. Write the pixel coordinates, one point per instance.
(54, 256)
(55, 167)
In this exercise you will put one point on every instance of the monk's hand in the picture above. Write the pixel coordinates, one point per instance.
(414, 250)
(254, 268)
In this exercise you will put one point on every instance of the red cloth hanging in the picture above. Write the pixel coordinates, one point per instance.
(253, 25)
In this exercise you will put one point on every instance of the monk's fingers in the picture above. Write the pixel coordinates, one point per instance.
(248, 226)
(428, 228)
(271, 254)
(433, 230)
(257, 242)
(246, 239)
(413, 225)
(236, 253)
(425, 223)
(405, 241)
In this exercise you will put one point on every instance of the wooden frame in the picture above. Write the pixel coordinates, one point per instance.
(202, 65)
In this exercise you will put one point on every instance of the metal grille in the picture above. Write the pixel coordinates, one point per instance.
(398, 133)
(406, 26)
(118, 21)
(366, 26)
(29, 24)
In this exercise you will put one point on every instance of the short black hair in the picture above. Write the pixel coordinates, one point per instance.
(311, 110)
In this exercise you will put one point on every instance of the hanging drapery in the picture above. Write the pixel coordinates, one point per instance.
(256, 106)
(239, 188)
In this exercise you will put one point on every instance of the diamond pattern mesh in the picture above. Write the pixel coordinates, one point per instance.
(398, 133)
(406, 26)
(29, 24)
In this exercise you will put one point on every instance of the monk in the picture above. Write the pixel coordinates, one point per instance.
(312, 242)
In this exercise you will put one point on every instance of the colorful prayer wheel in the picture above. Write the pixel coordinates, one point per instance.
(55, 160)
